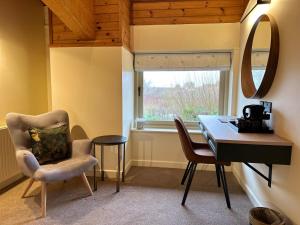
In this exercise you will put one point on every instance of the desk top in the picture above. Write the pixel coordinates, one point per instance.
(219, 129)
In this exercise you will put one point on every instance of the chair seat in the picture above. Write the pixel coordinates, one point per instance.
(66, 169)
(204, 155)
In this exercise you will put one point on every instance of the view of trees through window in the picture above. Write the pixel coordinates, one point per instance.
(183, 93)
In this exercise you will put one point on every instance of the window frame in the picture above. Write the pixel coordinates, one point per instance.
(193, 125)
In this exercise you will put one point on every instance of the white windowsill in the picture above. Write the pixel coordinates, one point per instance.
(3, 127)
(163, 130)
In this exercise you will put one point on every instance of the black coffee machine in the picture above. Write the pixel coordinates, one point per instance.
(254, 118)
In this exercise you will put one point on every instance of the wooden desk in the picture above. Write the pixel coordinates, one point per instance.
(231, 146)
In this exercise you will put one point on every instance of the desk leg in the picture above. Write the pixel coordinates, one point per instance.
(118, 173)
(102, 167)
(123, 173)
(95, 181)
(218, 174)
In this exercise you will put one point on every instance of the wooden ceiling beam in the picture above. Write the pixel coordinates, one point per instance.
(77, 15)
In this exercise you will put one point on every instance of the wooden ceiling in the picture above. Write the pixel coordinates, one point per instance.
(111, 18)
(151, 12)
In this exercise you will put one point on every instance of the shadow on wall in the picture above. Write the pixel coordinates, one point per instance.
(77, 133)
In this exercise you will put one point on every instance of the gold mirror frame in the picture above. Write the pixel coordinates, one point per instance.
(248, 87)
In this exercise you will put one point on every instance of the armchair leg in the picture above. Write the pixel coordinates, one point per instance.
(86, 182)
(28, 187)
(44, 198)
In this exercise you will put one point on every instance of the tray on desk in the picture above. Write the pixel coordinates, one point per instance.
(234, 126)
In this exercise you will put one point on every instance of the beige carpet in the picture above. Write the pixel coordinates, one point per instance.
(150, 196)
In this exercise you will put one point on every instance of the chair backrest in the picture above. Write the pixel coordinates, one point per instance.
(185, 139)
(19, 124)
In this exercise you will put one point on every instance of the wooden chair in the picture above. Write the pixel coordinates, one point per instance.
(199, 153)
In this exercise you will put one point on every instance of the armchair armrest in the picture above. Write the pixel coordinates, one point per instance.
(81, 147)
(27, 162)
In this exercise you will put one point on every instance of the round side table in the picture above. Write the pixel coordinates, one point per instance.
(110, 140)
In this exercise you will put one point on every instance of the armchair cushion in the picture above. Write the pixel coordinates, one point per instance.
(50, 144)
(65, 170)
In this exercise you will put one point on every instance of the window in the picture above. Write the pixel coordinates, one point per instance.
(184, 84)
(257, 76)
(165, 94)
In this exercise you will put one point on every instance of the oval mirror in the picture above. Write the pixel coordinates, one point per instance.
(260, 58)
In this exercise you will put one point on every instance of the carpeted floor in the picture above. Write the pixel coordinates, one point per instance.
(150, 196)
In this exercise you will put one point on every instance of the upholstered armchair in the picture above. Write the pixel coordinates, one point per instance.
(79, 162)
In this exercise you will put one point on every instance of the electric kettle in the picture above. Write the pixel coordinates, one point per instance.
(253, 112)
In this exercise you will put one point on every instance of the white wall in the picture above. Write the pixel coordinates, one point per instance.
(189, 37)
(161, 149)
(95, 86)
(193, 38)
(87, 83)
(284, 93)
(127, 100)
(23, 80)
(164, 149)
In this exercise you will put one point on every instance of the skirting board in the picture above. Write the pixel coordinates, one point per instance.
(148, 163)
(174, 165)
(253, 198)
(11, 180)
(110, 174)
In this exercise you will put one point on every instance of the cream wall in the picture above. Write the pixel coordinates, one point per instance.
(127, 100)
(94, 85)
(163, 149)
(189, 37)
(23, 80)
(285, 192)
(87, 83)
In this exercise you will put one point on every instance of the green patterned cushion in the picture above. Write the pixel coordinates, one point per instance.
(51, 144)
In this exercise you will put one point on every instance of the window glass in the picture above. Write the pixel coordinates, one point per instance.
(257, 76)
(184, 93)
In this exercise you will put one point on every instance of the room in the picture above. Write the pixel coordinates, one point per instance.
(149, 112)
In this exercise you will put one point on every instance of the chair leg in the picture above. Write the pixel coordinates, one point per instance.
(186, 172)
(44, 198)
(218, 174)
(86, 182)
(188, 185)
(28, 187)
(224, 184)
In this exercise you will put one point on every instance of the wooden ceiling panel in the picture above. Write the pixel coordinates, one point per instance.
(111, 19)
(147, 12)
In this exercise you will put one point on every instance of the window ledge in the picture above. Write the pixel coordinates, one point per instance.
(3, 127)
(162, 130)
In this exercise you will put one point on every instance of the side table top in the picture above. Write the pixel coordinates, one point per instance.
(110, 140)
